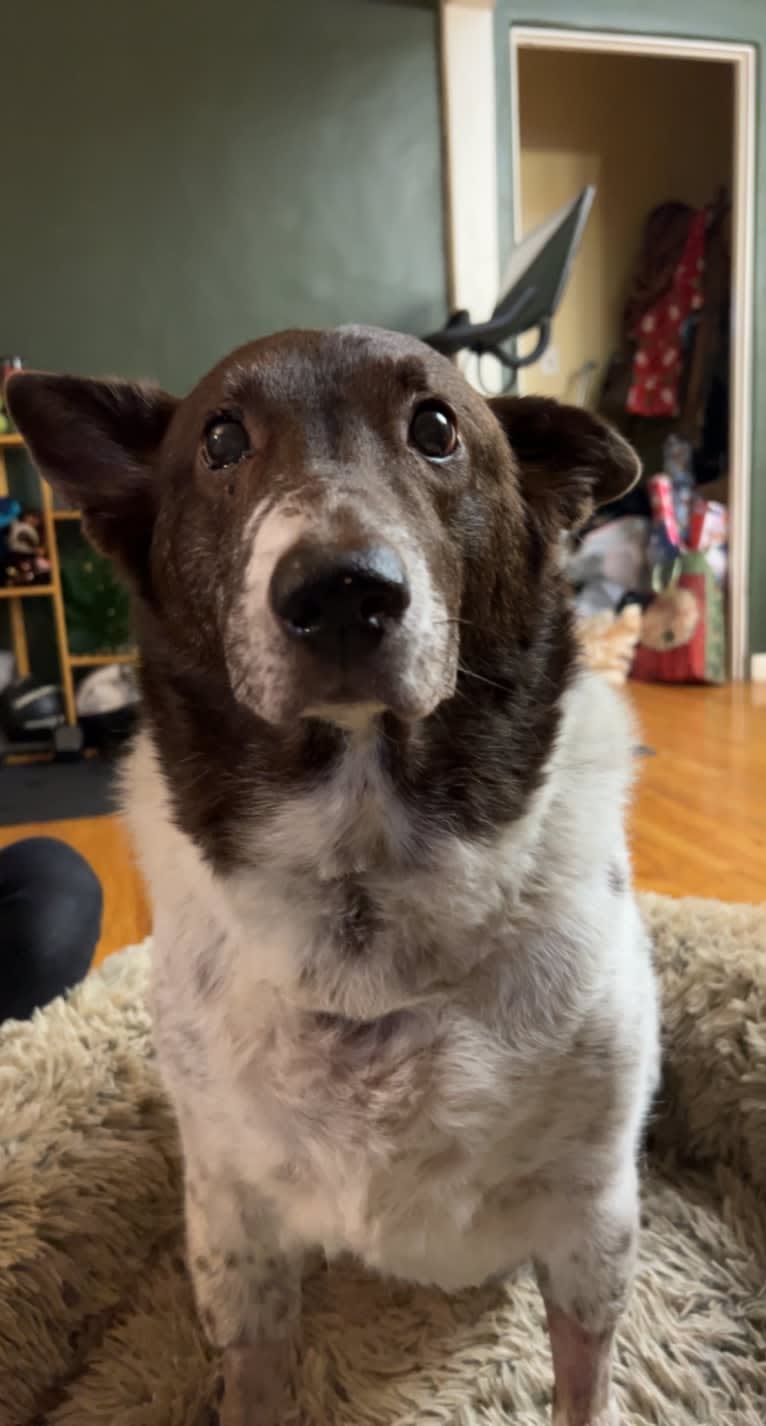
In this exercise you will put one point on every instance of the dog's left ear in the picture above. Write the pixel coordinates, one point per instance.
(95, 441)
(569, 460)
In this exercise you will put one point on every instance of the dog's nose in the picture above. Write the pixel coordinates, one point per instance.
(339, 603)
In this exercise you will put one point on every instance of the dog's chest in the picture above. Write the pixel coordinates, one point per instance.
(372, 1123)
(369, 1135)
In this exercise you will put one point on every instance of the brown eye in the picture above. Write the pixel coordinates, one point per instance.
(226, 442)
(433, 430)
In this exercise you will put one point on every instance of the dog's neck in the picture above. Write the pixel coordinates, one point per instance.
(351, 822)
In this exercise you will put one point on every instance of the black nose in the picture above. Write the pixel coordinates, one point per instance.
(340, 604)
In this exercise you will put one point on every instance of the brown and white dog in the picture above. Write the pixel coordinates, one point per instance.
(403, 1000)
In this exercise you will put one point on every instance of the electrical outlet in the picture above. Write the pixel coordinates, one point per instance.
(758, 668)
(550, 364)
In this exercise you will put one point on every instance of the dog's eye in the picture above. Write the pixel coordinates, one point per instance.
(433, 430)
(226, 442)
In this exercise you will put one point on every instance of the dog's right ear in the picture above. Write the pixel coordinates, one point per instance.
(95, 442)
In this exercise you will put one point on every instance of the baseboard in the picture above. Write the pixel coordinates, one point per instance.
(758, 668)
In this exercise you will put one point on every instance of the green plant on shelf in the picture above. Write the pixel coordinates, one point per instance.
(97, 608)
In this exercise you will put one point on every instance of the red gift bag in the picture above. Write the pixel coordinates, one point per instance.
(682, 630)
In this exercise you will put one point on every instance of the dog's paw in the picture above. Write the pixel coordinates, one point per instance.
(257, 1385)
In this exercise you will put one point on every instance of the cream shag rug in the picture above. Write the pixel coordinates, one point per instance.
(97, 1326)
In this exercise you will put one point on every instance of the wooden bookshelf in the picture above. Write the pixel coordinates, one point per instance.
(15, 596)
(100, 660)
(25, 591)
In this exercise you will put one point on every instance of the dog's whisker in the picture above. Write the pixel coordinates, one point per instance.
(454, 619)
(481, 678)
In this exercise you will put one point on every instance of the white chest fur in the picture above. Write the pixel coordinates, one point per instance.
(502, 1008)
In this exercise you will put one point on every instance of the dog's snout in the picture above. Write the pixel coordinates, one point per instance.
(339, 603)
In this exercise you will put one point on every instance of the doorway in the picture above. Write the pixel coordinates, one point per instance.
(653, 125)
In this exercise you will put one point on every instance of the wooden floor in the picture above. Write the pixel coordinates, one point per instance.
(698, 823)
(699, 816)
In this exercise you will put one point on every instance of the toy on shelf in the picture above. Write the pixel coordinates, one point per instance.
(23, 557)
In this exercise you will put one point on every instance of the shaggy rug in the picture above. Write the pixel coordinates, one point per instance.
(97, 1326)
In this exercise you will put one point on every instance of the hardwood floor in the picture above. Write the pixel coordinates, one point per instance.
(699, 817)
(698, 823)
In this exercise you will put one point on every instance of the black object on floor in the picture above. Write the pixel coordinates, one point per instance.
(50, 921)
(53, 791)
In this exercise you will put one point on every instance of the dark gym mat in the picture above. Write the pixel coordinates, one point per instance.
(51, 792)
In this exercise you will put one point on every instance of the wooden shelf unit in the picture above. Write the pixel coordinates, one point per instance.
(101, 660)
(15, 596)
(24, 591)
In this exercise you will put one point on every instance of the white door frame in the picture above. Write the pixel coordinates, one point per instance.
(469, 124)
(468, 67)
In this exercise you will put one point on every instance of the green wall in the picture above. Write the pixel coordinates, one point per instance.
(742, 21)
(178, 176)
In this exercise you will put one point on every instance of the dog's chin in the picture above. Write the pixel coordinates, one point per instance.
(357, 715)
(354, 709)
(352, 717)
(357, 703)
(286, 692)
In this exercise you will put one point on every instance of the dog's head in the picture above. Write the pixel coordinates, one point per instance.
(335, 534)
(322, 511)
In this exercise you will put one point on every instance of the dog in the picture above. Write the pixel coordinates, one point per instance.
(403, 1000)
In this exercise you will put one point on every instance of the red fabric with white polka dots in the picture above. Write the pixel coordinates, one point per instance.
(658, 363)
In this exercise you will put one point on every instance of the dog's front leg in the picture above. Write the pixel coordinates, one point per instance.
(248, 1286)
(584, 1275)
